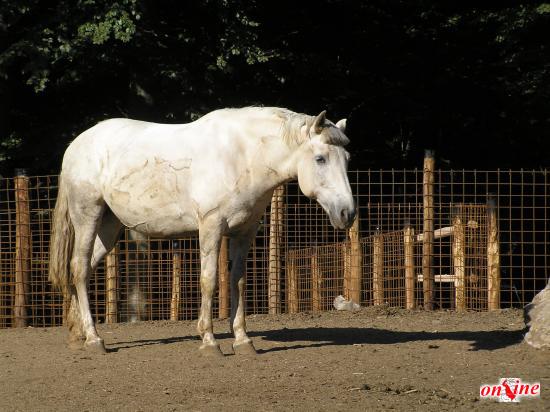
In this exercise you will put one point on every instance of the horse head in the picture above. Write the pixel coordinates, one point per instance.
(322, 170)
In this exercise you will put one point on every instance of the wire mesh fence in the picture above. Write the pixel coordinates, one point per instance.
(488, 248)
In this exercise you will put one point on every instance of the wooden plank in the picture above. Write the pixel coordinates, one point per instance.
(438, 233)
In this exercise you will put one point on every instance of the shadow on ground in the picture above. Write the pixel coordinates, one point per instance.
(318, 337)
(481, 340)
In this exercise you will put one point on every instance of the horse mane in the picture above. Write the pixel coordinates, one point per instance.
(292, 124)
(292, 128)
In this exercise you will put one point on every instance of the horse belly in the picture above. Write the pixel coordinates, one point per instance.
(153, 200)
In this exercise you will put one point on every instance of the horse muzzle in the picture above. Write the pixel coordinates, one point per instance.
(341, 216)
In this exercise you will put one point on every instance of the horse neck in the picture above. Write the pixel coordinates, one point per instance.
(279, 162)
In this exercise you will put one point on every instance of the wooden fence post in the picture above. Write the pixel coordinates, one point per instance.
(111, 271)
(22, 248)
(428, 283)
(493, 256)
(378, 269)
(355, 263)
(459, 259)
(175, 301)
(275, 242)
(410, 281)
(292, 283)
(346, 259)
(316, 282)
(223, 271)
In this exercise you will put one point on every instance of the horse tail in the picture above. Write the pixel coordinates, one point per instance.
(61, 240)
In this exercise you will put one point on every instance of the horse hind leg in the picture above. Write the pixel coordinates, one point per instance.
(106, 238)
(76, 333)
(107, 235)
(87, 216)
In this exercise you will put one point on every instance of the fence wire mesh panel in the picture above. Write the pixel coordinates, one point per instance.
(488, 249)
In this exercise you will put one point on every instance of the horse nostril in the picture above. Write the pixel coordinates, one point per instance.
(344, 215)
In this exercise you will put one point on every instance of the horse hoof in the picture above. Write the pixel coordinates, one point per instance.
(95, 346)
(246, 349)
(211, 351)
(75, 344)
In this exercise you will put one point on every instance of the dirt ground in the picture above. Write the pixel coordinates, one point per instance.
(373, 359)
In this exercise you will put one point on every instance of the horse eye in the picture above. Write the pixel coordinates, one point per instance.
(320, 159)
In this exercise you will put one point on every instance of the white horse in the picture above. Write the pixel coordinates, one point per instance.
(214, 176)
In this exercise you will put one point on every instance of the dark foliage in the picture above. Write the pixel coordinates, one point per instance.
(471, 81)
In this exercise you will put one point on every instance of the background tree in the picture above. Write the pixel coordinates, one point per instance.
(470, 81)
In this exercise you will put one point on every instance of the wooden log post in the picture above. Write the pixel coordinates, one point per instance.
(275, 250)
(459, 259)
(175, 301)
(111, 273)
(22, 248)
(428, 283)
(493, 256)
(355, 262)
(316, 282)
(410, 281)
(346, 259)
(292, 283)
(378, 269)
(223, 279)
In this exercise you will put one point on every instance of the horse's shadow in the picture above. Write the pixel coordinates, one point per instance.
(319, 337)
(480, 340)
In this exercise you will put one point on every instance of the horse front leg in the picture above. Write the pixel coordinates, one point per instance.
(239, 247)
(210, 238)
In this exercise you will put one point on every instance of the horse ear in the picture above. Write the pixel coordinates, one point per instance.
(341, 124)
(319, 122)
